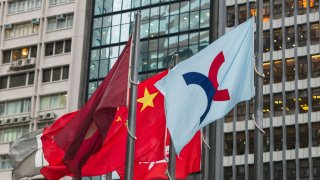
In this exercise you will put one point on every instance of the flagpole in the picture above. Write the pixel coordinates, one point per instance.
(133, 98)
(258, 140)
(172, 152)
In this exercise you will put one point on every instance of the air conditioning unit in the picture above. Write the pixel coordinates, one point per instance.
(8, 26)
(60, 17)
(15, 120)
(50, 116)
(8, 121)
(35, 21)
(19, 62)
(41, 117)
(27, 61)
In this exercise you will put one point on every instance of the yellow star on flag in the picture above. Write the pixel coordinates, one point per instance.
(147, 99)
(118, 119)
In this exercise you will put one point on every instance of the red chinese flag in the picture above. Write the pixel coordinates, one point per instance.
(150, 132)
(85, 133)
(188, 163)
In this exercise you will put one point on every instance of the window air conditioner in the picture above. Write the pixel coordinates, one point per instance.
(50, 116)
(35, 21)
(60, 17)
(27, 61)
(8, 26)
(19, 62)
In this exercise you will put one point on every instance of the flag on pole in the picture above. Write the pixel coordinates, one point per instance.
(85, 133)
(187, 163)
(150, 135)
(208, 85)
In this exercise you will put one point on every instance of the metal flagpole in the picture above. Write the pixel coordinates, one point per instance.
(172, 152)
(133, 97)
(258, 135)
(209, 165)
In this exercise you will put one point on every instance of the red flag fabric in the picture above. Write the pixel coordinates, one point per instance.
(85, 133)
(150, 133)
(188, 162)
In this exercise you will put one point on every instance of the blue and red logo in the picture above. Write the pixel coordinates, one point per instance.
(209, 84)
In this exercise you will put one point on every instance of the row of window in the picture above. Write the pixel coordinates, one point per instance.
(52, 48)
(21, 106)
(290, 69)
(16, 80)
(108, 6)
(290, 37)
(30, 28)
(29, 5)
(278, 170)
(55, 74)
(278, 104)
(277, 139)
(276, 7)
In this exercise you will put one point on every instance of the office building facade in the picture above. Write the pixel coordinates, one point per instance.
(291, 64)
(41, 45)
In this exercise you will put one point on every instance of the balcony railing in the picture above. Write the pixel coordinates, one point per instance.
(21, 64)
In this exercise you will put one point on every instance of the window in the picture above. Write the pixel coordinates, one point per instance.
(19, 54)
(228, 144)
(16, 80)
(61, 21)
(278, 139)
(302, 35)
(289, 8)
(58, 47)
(277, 9)
(290, 37)
(304, 169)
(266, 72)
(303, 101)
(304, 135)
(266, 41)
(316, 167)
(240, 172)
(291, 169)
(315, 134)
(278, 104)
(278, 170)
(315, 33)
(5, 162)
(277, 67)
(228, 172)
(291, 103)
(13, 133)
(290, 69)
(53, 101)
(230, 16)
(23, 5)
(15, 107)
(315, 65)
(241, 143)
(58, 2)
(303, 67)
(21, 30)
(266, 106)
(291, 137)
(55, 74)
(277, 39)
(266, 140)
(315, 99)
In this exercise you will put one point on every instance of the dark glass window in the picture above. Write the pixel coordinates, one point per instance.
(16, 54)
(241, 143)
(303, 101)
(316, 168)
(266, 72)
(291, 169)
(314, 5)
(266, 41)
(67, 46)
(302, 35)
(303, 133)
(290, 69)
(230, 16)
(278, 139)
(289, 8)
(266, 106)
(241, 110)
(266, 140)
(304, 169)
(56, 74)
(290, 103)
(303, 67)
(65, 72)
(277, 9)
(228, 144)
(242, 13)
(240, 172)
(31, 78)
(315, 63)
(227, 172)
(315, 134)
(315, 33)
(316, 99)
(251, 142)
(291, 137)
(266, 10)
(278, 104)
(6, 57)
(49, 49)
(266, 171)
(17, 80)
(58, 47)
(277, 39)
(302, 6)
(290, 37)
(277, 71)
(46, 76)
(33, 53)
(278, 170)
(3, 82)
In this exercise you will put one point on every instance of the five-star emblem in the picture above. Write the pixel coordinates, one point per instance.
(147, 99)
